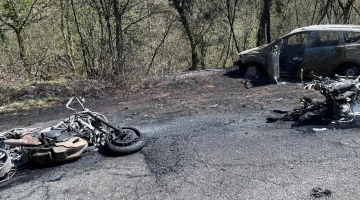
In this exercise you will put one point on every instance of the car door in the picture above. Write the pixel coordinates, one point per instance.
(291, 54)
(273, 61)
(352, 45)
(325, 50)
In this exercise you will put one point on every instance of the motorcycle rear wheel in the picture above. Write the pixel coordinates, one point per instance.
(132, 142)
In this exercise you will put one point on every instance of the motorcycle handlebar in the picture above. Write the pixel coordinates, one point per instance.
(71, 100)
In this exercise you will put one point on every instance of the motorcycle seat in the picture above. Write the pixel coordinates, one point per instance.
(53, 134)
(57, 135)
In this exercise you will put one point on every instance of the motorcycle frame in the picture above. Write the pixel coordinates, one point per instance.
(84, 118)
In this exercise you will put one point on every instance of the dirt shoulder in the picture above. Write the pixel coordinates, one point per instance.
(193, 93)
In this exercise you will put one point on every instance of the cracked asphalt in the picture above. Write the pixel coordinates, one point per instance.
(221, 149)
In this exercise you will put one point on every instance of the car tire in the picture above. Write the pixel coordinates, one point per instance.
(252, 72)
(350, 70)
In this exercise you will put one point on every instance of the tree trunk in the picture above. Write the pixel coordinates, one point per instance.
(267, 20)
(194, 53)
(157, 48)
(86, 64)
(263, 34)
(66, 33)
(346, 10)
(231, 19)
(105, 5)
(22, 52)
(179, 6)
(118, 39)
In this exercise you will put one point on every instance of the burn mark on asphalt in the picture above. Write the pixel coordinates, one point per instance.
(320, 193)
(167, 155)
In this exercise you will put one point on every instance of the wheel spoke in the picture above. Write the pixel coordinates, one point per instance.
(350, 71)
(252, 72)
(129, 138)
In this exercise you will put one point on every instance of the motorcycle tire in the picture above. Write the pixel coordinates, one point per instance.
(6, 166)
(132, 142)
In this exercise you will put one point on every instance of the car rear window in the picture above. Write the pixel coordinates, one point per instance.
(323, 39)
(351, 37)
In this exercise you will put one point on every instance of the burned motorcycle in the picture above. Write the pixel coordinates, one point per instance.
(340, 94)
(68, 139)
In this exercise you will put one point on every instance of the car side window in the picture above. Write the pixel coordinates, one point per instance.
(351, 37)
(323, 39)
(298, 39)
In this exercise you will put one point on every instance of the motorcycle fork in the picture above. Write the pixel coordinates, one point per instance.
(121, 133)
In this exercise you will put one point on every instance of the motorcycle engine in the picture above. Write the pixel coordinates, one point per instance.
(341, 109)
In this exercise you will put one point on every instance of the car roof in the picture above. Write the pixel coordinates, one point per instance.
(329, 27)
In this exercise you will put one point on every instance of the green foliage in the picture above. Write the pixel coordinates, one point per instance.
(279, 6)
(2, 35)
(15, 12)
(56, 45)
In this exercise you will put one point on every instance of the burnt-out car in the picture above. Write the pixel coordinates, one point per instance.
(325, 50)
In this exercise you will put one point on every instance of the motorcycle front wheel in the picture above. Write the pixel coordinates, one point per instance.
(131, 142)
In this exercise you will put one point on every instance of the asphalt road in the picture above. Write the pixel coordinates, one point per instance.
(217, 156)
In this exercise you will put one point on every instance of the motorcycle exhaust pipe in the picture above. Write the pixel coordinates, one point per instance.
(26, 140)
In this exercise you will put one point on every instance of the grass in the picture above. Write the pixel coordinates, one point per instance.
(30, 104)
(16, 93)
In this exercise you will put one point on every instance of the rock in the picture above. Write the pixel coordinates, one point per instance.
(54, 178)
(213, 106)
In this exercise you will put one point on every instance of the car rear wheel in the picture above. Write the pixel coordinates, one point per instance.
(252, 72)
(350, 70)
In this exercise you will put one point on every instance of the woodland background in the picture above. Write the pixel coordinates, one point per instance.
(124, 41)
